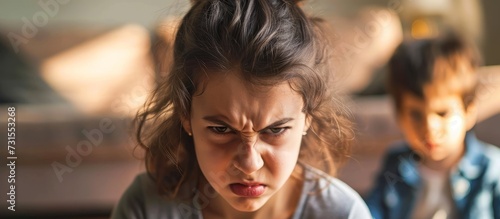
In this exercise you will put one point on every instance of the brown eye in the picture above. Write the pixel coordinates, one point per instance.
(276, 131)
(220, 129)
(443, 113)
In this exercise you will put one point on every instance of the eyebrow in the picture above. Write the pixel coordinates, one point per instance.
(219, 119)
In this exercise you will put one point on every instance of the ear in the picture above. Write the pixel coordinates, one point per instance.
(397, 116)
(186, 124)
(471, 115)
(307, 123)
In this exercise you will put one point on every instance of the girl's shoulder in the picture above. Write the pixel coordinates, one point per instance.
(324, 196)
(142, 200)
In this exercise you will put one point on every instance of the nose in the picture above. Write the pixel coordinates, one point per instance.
(432, 128)
(248, 158)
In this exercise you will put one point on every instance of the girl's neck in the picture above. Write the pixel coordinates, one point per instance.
(281, 205)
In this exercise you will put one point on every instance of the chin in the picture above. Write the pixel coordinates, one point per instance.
(437, 156)
(248, 205)
(434, 155)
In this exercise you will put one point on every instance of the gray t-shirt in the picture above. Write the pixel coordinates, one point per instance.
(322, 196)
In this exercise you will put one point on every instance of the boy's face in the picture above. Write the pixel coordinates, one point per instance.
(247, 141)
(435, 126)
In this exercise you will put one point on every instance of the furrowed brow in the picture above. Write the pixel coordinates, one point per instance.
(277, 123)
(220, 119)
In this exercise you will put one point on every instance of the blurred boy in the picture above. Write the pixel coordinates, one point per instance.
(442, 170)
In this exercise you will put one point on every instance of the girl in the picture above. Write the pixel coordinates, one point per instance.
(244, 120)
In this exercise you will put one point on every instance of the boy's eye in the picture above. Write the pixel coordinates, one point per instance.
(220, 129)
(443, 113)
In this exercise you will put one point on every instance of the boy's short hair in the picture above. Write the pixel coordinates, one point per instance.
(418, 63)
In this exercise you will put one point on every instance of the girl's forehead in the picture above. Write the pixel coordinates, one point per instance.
(232, 97)
(235, 82)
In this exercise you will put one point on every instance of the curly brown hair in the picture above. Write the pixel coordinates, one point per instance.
(269, 42)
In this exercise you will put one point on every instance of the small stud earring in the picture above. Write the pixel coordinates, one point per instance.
(304, 133)
(190, 134)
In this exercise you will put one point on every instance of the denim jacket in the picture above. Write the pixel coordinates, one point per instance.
(475, 183)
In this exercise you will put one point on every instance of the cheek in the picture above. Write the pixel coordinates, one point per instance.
(456, 128)
(410, 133)
(455, 124)
(212, 159)
(286, 150)
(284, 160)
(284, 157)
(289, 140)
(215, 164)
(407, 127)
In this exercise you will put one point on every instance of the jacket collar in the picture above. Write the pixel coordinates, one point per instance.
(472, 163)
(408, 168)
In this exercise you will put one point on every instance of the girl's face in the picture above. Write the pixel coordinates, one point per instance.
(247, 139)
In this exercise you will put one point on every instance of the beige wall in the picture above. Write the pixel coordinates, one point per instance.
(148, 12)
(491, 47)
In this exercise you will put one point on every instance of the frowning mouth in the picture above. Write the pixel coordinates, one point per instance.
(430, 146)
(248, 190)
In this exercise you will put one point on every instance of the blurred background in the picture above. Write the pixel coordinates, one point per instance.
(76, 71)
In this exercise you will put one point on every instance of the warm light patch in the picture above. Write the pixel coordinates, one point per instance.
(422, 28)
(94, 74)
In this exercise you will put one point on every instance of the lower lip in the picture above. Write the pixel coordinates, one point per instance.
(247, 190)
